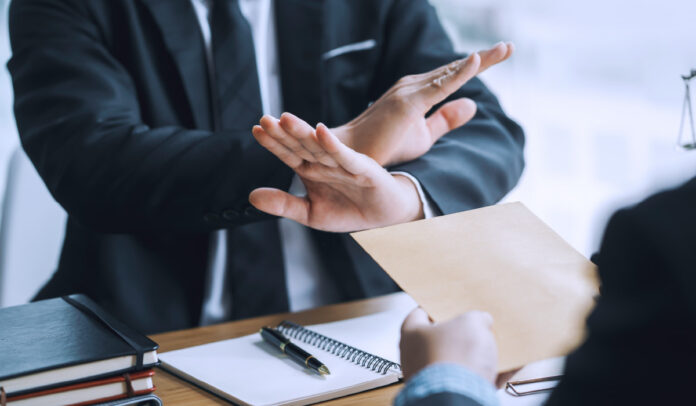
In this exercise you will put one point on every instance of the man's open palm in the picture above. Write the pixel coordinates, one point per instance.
(346, 191)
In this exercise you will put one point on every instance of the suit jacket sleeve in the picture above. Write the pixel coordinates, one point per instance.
(475, 165)
(643, 328)
(445, 384)
(78, 116)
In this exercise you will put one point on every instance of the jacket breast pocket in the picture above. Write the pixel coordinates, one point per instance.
(350, 70)
(360, 46)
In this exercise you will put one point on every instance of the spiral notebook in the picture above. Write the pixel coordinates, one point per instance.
(362, 353)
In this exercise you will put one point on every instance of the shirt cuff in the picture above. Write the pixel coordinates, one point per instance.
(429, 209)
(450, 378)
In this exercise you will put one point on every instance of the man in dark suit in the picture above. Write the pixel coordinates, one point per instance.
(641, 344)
(138, 115)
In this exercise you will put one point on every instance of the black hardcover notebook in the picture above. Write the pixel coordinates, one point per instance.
(63, 341)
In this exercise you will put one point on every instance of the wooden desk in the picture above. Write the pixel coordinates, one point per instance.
(174, 391)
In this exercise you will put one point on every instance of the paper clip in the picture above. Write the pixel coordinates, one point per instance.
(512, 386)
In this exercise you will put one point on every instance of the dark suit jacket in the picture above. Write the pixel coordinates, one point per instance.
(112, 107)
(641, 346)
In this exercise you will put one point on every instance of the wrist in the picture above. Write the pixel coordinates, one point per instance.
(413, 206)
(447, 378)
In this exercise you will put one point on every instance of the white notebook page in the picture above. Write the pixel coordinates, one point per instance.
(249, 371)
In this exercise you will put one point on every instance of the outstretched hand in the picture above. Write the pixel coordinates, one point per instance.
(394, 129)
(346, 190)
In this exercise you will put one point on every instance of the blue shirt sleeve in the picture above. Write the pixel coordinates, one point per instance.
(452, 378)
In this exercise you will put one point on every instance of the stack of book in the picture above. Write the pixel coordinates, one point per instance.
(68, 351)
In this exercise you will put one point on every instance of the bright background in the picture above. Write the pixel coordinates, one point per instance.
(596, 85)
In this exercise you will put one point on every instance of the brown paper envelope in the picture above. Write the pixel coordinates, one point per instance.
(501, 259)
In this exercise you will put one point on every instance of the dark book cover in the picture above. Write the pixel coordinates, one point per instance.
(63, 332)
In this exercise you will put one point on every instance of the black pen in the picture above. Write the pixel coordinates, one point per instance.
(297, 354)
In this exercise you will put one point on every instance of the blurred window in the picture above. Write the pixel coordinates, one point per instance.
(597, 86)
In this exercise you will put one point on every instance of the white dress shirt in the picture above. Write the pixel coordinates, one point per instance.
(307, 283)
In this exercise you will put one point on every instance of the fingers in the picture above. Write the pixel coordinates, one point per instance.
(416, 319)
(450, 116)
(272, 127)
(297, 137)
(353, 162)
(437, 84)
(327, 148)
(304, 133)
(279, 203)
(288, 157)
(497, 54)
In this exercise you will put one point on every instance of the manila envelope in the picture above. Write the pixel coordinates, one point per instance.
(500, 259)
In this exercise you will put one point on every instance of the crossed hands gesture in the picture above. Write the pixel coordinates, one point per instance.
(342, 169)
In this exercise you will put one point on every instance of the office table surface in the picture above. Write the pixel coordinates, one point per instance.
(174, 391)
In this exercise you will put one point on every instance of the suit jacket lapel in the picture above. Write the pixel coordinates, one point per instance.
(182, 36)
(300, 35)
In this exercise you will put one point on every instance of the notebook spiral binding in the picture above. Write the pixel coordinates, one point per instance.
(352, 354)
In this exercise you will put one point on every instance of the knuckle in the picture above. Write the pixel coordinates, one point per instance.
(437, 83)
(401, 100)
(289, 126)
(296, 148)
(406, 80)
(294, 162)
(453, 67)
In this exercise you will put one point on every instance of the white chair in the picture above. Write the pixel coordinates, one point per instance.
(32, 228)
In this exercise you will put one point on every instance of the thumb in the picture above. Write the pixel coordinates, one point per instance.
(416, 319)
(450, 116)
(279, 203)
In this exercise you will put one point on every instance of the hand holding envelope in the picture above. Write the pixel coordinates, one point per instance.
(502, 260)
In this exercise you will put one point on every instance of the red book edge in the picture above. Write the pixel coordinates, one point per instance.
(114, 379)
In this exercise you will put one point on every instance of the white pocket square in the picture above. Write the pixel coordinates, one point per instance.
(354, 47)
